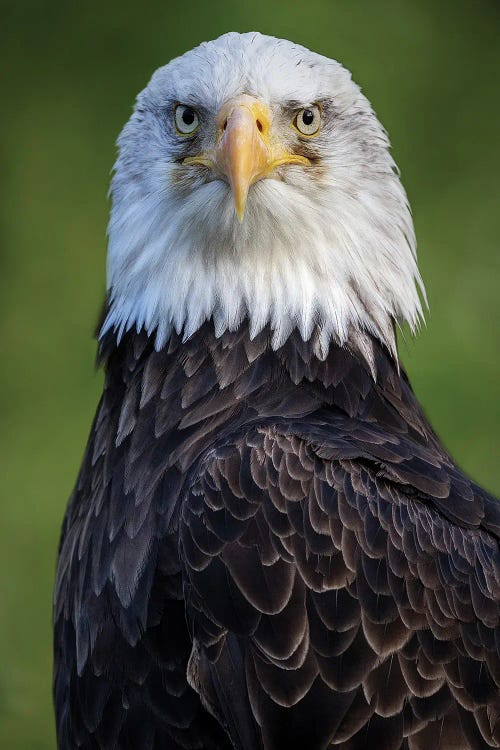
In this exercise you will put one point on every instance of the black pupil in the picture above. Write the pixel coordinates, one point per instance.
(188, 116)
(308, 117)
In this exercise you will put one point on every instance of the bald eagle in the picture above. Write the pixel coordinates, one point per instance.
(267, 546)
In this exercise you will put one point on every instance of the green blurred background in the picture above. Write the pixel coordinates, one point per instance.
(69, 74)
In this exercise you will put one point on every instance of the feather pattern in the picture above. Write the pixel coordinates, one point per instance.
(265, 549)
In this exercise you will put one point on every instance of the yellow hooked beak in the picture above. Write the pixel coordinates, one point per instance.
(243, 151)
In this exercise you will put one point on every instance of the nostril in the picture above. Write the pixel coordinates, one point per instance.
(225, 125)
(259, 126)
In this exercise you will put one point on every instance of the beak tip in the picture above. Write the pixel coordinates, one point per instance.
(240, 202)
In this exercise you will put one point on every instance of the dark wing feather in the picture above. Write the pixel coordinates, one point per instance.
(273, 548)
(361, 609)
(121, 642)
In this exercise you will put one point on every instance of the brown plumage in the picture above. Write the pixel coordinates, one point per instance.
(267, 550)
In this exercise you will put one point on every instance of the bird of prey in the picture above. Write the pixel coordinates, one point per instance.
(267, 547)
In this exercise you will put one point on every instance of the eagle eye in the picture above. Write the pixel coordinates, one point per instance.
(186, 119)
(308, 120)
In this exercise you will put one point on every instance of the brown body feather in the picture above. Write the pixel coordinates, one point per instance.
(267, 550)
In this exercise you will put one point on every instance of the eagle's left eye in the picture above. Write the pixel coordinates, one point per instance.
(186, 119)
(308, 120)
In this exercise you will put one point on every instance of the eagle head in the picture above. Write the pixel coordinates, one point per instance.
(254, 182)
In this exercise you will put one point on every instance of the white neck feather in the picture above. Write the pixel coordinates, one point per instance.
(290, 264)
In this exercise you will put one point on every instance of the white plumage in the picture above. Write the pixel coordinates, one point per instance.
(331, 245)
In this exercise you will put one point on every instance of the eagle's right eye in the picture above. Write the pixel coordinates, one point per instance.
(308, 120)
(186, 119)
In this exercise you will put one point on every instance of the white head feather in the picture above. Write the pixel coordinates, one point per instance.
(330, 245)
